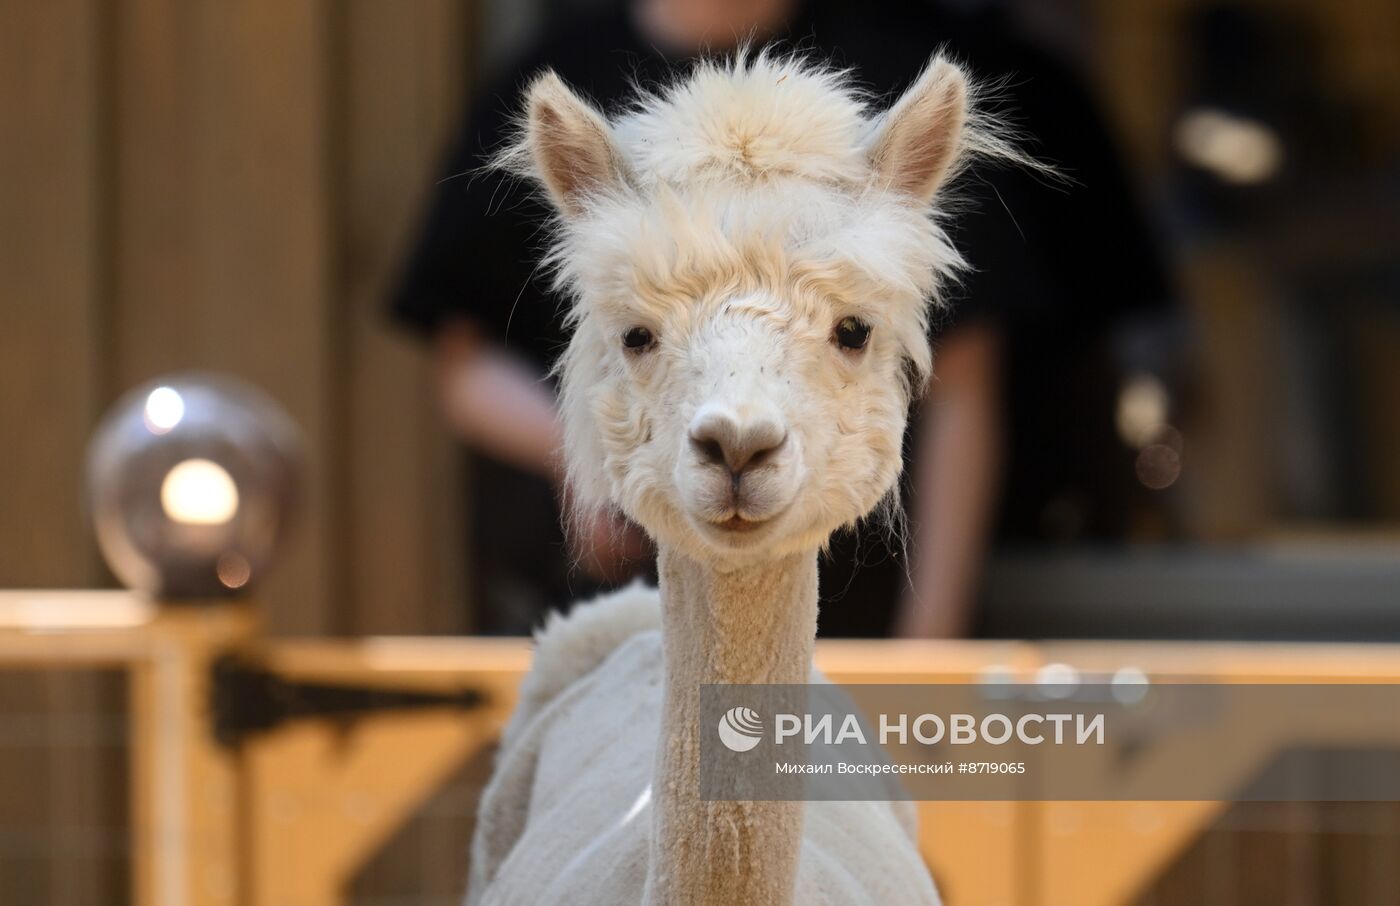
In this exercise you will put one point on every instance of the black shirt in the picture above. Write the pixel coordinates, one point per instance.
(1055, 265)
(1028, 239)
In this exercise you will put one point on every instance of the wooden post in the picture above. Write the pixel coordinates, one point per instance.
(185, 785)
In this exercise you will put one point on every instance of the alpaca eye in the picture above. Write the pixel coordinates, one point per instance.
(637, 339)
(852, 333)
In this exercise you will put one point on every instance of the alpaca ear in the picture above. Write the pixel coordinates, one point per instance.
(570, 143)
(918, 141)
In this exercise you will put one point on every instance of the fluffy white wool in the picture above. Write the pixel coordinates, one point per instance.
(567, 816)
(764, 176)
(734, 219)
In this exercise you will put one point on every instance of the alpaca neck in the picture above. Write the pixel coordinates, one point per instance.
(756, 624)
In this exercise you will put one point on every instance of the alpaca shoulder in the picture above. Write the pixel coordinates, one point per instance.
(563, 754)
(570, 646)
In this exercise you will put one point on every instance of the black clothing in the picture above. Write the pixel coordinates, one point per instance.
(1056, 266)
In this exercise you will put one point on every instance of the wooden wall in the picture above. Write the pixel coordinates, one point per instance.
(229, 185)
(218, 185)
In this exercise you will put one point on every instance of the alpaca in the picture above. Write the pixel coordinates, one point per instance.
(750, 255)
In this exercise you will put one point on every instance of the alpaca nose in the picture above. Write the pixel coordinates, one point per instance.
(721, 438)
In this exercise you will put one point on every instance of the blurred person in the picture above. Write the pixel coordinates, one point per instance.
(473, 286)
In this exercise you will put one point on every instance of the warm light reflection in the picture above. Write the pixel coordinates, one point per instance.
(1057, 680)
(637, 806)
(1143, 406)
(164, 410)
(996, 680)
(1129, 685)
(234, 570)
(1234, 148)
(1158, 466)
(199, 492)
(74, 610)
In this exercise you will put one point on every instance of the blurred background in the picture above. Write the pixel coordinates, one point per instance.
(258, 189)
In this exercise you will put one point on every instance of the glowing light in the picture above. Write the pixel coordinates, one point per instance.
(164, 410)
(199, 492)
(71, 610)
(996, 675)
(233, 570)
(637, 806)
(998, 682)
(1143, 405)
(1129, 685)
(1236, 149)
(1057, 680)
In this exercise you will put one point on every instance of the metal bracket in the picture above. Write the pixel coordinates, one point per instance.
(248, 699)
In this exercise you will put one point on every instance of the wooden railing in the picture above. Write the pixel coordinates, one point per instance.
(288, 815)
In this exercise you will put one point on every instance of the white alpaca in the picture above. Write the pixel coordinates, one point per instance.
(751, 254)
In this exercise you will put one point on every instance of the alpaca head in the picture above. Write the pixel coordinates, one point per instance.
(750, 255)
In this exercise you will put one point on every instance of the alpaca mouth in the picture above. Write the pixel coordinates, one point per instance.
(737, 523)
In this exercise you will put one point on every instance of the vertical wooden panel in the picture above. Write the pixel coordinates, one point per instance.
(402, 82)
(154, 305)
(51, 115)
(271, 159)
(49, 271)
(401, 76)
(222, 252)
(262, 173)
(228, 186)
